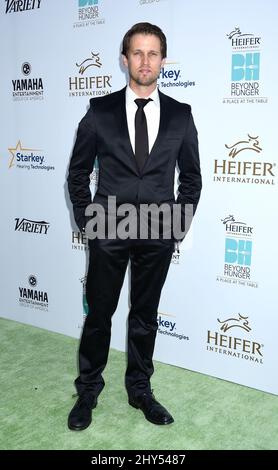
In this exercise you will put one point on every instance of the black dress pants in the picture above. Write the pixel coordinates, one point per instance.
(149, 262)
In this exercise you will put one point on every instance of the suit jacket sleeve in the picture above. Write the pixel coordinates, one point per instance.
(81, 166)
(190, 181)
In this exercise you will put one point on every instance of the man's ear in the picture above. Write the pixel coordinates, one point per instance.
(125, 61)
(163, 62)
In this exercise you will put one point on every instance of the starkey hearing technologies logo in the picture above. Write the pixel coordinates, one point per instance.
(239, 240)
(235, 344)
(26, 158)
(171, 76)
(246, 82)
(244, 163)
(88, 13)
(90, 81)
(167, 325)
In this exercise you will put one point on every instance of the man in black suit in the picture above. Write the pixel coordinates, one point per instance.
(139, 136)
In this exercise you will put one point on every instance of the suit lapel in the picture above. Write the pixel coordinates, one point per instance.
(119, 111)
(161, 131)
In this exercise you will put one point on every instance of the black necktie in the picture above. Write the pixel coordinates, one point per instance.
(141, 133)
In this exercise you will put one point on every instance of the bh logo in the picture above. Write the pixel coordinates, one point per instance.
(246, 66)
(85, 3)
(238, 251)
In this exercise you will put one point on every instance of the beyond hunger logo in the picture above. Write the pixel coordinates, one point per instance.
(238, 253)
(27, 88)
(243, 164)
(24, 158)
(171, 76)
(89, 85)
(245, 68)
(88, 13)
(233, 345)
(14, 6)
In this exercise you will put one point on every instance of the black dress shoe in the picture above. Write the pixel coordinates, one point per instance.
(152, 409)
(80, 416)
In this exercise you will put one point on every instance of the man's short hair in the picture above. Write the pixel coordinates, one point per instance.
(144, 28)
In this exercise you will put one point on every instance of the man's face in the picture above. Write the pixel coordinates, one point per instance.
(144, 59)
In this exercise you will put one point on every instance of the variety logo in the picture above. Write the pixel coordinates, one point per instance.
(31, 297)
(245, 68)
(171, 76)
(167, 326)
(31, 226)
(235, 346)
(14, 6)
(238, 253)
(90, 85)
(28, 88)
(88, 13)
(241, 167)
(25, 158)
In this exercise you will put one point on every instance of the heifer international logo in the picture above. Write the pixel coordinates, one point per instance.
(90, 85)
(234, 346)
(15, 6)
(239, 166)
(79, 241)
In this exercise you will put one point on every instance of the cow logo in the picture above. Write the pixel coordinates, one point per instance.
(251, 144)
(240, 322)
(93, 61)
(237, 32)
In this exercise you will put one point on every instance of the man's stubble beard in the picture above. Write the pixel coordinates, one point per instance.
(146, 82)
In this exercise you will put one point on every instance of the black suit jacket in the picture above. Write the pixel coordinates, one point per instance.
(103, 132)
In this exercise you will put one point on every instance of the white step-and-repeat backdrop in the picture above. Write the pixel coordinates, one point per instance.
(218, 311)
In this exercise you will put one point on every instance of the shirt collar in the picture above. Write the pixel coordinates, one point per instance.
(131, 96)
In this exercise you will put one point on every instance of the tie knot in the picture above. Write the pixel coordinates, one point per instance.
(141, 102)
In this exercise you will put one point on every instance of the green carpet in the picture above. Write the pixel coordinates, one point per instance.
(37, 372)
